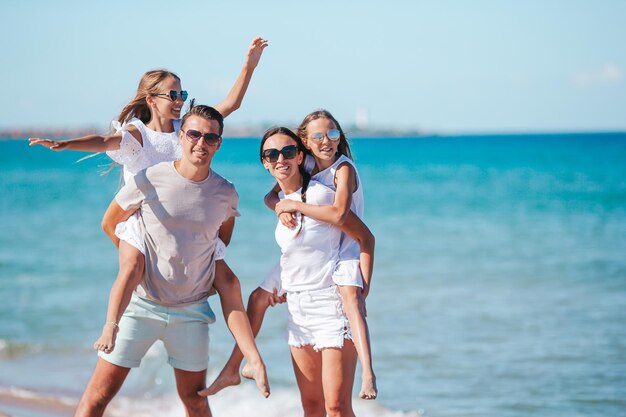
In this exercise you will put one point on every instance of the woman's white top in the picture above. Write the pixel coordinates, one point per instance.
(157, 147)
(310, 252)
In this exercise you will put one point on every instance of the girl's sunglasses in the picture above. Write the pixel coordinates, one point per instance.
(332, 134)
(211, 139)
(288, 152)
(173, 95)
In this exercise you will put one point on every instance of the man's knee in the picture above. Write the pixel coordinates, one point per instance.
(98, 398)
(194, 403)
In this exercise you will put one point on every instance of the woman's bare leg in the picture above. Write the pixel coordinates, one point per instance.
(307, 365)
(351, 301)
(338, 366)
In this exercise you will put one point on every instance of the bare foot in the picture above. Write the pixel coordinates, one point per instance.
(106, 341)
(226, 378)
(247, 371)
(368, 388)
(257, 372)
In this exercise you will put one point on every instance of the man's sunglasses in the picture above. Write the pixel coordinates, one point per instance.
(211, 139)
(332, 134)
(173, 95)
(288, 152)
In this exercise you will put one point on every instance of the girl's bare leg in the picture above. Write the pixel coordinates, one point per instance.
(338, 366)
(229, 289)
(258, 302)
(354, 310)
(130, 272)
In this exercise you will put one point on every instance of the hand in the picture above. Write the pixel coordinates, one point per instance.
(254, 52)
(288, 220)
(48, 143)
(286, 206)
(274, 298)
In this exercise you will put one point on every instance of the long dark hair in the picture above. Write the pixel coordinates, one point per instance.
(281, 130)
(343, 148)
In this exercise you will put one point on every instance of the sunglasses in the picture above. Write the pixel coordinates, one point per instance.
(332, 134)
(211, 139)
(288, 152)
(173, 95)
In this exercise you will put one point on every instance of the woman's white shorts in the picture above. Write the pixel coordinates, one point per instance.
(317, 318)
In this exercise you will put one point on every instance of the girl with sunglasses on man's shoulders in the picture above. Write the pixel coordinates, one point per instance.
(146, 133)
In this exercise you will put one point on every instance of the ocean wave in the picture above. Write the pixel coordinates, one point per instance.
(11, 349)
(241, 400)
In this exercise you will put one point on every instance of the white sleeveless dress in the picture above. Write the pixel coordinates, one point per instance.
(157, 147)
(347, 271)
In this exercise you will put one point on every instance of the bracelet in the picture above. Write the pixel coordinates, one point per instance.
(114, 323)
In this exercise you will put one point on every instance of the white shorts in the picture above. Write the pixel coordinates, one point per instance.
(130, 232)
(348, 272)
(317, 318)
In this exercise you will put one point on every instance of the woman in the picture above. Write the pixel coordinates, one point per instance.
(323, 354)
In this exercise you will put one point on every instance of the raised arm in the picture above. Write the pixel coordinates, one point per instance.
(114, 215)
(238, 91)
(357, 230)
(335, 214)
(89, 143)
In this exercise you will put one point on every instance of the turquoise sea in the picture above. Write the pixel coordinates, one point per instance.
(499, 286)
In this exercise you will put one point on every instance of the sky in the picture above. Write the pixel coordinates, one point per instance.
(434, 66)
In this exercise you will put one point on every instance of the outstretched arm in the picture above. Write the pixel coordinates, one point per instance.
(238, 91)
(357, 230)
(89, 143)
(115, 214)
(335, 214)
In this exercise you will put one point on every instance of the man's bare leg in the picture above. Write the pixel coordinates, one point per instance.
(104, 384)
(188, 383)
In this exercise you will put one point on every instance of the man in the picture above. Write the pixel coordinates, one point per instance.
(184, 206)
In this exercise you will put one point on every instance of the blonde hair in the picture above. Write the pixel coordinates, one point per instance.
(149, 84)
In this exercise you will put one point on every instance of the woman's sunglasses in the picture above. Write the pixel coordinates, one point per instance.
(332, 134)
(288, 152)
(211, 139)
(173, 95)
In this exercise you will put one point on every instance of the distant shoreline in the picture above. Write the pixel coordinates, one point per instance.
(257, 132)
